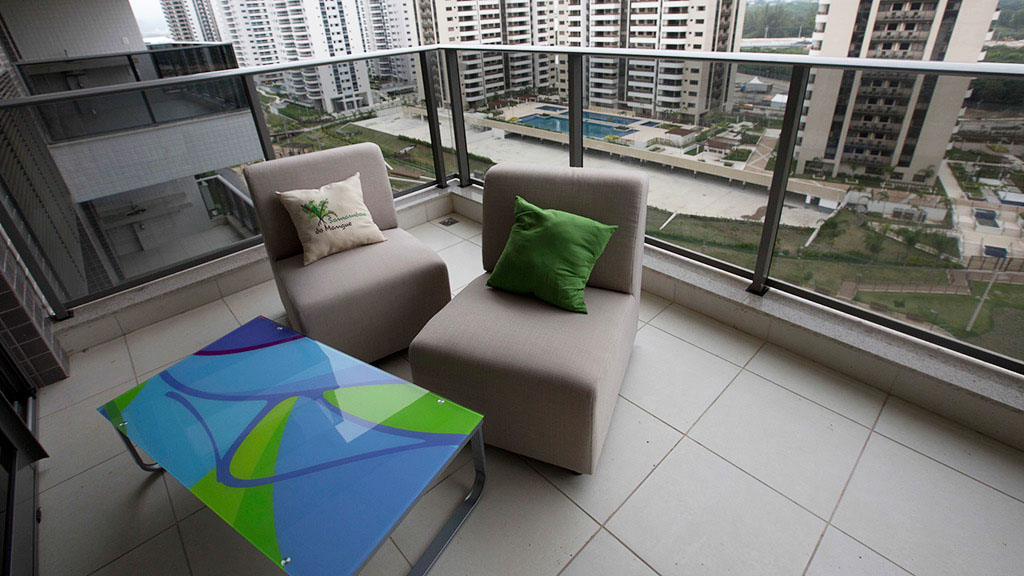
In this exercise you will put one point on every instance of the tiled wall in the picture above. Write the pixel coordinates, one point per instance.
(131, 160)
(25, 325)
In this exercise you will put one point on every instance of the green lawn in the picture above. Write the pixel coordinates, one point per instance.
(734, 241)
(739, 155)
(962, 155)
(300, 113)
(278, 123)
(418, 159)
(999, 326)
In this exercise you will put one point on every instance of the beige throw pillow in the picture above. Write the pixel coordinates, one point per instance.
(331, 219)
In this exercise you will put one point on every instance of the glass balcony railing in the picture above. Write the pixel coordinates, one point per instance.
(879, 188)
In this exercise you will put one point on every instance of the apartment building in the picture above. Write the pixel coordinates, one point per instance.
(323, 29)
(390, 24)
(190, 20)
(494, 22)
(677, 90)
(250, 26)
(889, 123)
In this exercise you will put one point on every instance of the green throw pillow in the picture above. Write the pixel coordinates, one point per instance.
(550, 255)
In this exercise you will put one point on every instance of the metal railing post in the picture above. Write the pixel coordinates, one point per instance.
(451, 58)
(256, 108)
(433, 123)
(780, 177)
(576, 110)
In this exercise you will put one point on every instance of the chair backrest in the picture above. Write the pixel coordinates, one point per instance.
(313, 171)
(617, 197)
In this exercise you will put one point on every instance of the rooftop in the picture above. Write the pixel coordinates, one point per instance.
(720, 442)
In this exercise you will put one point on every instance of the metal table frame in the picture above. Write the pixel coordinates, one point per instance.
(443, 537)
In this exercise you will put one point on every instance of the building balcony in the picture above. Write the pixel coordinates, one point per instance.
(779, 410)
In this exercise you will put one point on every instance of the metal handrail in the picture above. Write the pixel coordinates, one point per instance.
(180, 46)
(906, 66)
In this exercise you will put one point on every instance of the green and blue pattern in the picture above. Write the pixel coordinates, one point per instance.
(310, 454)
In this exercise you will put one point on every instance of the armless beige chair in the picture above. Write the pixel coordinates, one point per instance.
(369, 301)
(545, 379)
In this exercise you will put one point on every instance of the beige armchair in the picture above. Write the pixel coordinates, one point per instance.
(545, 379)
(369, 301)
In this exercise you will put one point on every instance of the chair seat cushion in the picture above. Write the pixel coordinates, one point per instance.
(369, 301)
(545, 379)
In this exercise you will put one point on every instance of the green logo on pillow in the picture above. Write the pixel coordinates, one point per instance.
(318, 211)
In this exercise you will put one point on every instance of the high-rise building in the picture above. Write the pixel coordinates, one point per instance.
(323, 29)
(190, 20)
(390, 24)
(494, 22)
(250, 26)
(678, 90)
(889, 123)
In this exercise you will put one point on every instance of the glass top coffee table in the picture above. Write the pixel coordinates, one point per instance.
(312, 455)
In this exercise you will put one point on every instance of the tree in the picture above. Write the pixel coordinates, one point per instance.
(874, 243)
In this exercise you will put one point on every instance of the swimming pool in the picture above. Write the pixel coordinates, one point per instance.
(559, 124)
(551, 108)
(608, 118)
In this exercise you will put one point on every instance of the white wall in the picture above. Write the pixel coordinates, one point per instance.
(49, 29)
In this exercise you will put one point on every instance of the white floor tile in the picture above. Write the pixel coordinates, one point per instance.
(978, 456)
(434, 237)
(827, 387)
(672, 379)
(699, 514)
(99, 515)
(604, 555)
(478, 239)
(91, 371)
(465, 228)
(172, 339)
(928, 518)
(795, 446)
(838, 554)
(711, 335)
(522, 525)
(78, 438)
(259, 300)
(215, 549)
(465, 263)
(651, 305)
(183, 502)
(635, 444)
(388, 561)
(161, 556)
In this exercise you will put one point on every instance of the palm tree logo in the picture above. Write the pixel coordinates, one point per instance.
(318, 211)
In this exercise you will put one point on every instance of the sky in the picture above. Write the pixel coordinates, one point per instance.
(150, 18)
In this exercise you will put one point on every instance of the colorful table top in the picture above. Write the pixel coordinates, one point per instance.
(310, 454)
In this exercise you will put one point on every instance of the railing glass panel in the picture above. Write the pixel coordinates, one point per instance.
(518, 116)
(919, 204)
(382, 103)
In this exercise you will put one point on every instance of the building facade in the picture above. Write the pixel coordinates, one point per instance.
(675, 90)
(889, 123)
(485, 22)
(251, 27)
(311, 29)
(190, 20)
(390, 24)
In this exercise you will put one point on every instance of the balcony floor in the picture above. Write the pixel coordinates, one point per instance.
(726, 455)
